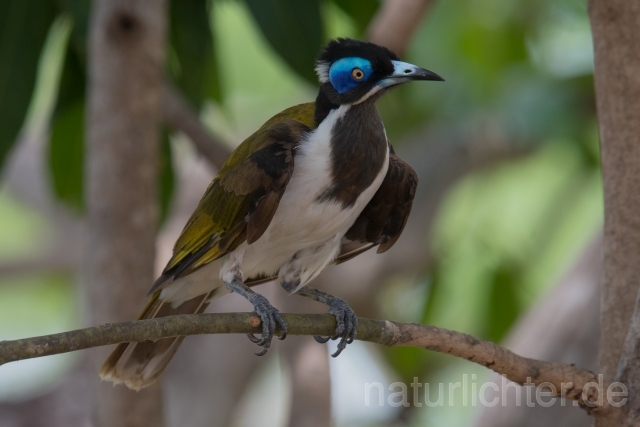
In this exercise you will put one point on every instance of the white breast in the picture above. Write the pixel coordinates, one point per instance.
(301, 221)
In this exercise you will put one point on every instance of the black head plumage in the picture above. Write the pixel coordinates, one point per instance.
(352, 71)
(379, 56)
(328, 97)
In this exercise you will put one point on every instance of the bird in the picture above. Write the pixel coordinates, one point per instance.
(318, 184)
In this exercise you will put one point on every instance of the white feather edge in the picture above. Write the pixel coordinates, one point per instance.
(322, 70)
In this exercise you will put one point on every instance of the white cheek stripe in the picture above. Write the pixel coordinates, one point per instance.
(377, 88)
(322, 70)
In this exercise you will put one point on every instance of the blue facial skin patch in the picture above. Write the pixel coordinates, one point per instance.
(340, 73)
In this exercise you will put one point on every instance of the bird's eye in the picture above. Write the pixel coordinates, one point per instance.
(357, 74)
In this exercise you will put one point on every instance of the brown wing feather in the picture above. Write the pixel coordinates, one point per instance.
(241, 201)
(383, 219)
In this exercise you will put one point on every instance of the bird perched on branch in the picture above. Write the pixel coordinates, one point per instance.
(317, 184)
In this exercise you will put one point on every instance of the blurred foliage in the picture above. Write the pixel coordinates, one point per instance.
(22, 230)
(297, 43)
(166, 175)
(66, 153)
(194, 67)
(33, 304)
(24, 26)
(519, 76)
(360, 11)
(192, 61)
(519, 80)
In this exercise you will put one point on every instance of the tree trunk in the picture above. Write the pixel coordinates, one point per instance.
(127, 56)
(616, 36)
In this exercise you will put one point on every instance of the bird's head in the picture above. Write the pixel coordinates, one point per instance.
(352, 71)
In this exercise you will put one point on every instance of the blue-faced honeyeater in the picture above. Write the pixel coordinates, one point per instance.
(317, 184)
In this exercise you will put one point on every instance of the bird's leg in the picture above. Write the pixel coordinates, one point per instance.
(268, 314)
(346, 318)
(231, 276)
(296, 272)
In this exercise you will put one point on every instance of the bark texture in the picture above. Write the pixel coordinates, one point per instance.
(616, 38)
(126, 63)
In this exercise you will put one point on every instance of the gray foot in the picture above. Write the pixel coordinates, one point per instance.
(270, 317)
(346, 318)
(268, 314)
(347, 328)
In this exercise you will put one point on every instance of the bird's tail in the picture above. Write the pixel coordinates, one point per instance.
(138, 365)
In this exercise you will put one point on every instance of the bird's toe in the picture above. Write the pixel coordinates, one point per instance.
(271, 319)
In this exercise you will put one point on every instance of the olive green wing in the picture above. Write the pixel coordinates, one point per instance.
(242, 199)
(383, 219)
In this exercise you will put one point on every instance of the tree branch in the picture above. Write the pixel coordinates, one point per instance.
(180, 116)
(566, 378)
(396, 22)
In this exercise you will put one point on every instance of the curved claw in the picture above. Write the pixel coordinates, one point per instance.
(339, 350)
(270, 319)
(255, 339)
(261, 352)
(347, 325)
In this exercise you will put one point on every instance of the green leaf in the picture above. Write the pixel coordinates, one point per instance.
(504, 307)
(361, 11)
(166, 176)
(294, 30)
(66, 154)
(73, 80)
(66, 150)
(24, 26)
(79, 11)
(192, 44)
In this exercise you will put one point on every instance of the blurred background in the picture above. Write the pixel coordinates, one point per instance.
(503, 242)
